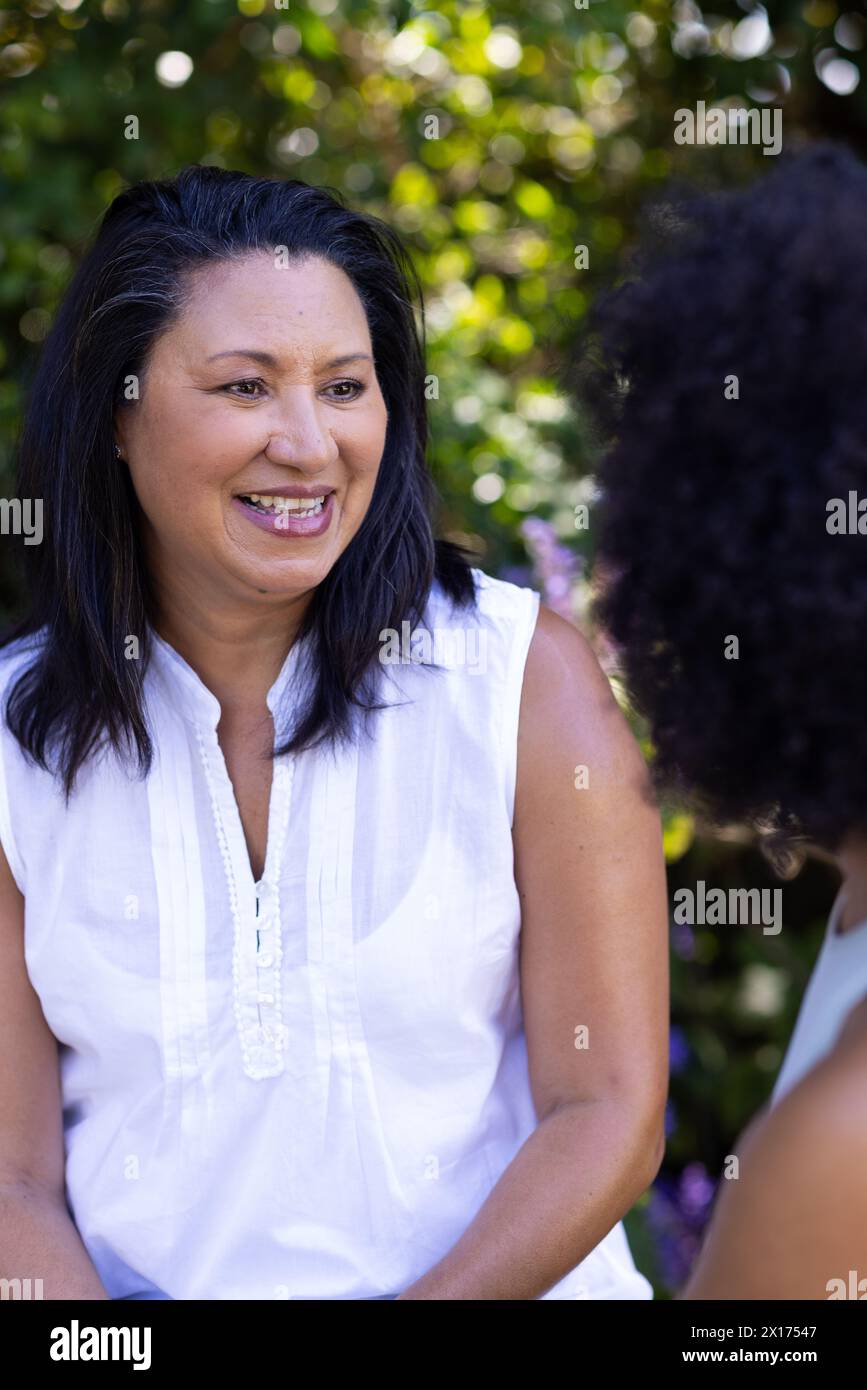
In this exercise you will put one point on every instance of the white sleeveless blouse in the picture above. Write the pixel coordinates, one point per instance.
(303, 1087)
(837, 984)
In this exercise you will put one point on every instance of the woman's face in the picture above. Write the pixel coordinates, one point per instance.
(214, 423)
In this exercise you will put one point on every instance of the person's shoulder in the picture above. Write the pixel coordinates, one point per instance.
(853, 1034)
(501, 606)
(569, 703)
(563, 671)
(819, 1099)
(501, 597)
(812, 1145)
(835, 1079)
(791, 1223)
(535, 643)
(16, 656)
(554, 657)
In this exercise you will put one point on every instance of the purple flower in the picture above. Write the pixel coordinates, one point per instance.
(678, 1049)
(697, 1188)
(555, 565)
(677, 1213)
(683, 940)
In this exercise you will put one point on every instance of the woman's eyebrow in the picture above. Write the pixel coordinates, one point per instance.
(269, 361)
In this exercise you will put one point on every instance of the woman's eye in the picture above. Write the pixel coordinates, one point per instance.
(254, 381)
(354, 389)
(346, 390)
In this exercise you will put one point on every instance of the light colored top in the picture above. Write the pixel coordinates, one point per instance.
(303, 1087)
(837, 984)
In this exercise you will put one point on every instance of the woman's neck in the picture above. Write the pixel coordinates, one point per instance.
(237, 653)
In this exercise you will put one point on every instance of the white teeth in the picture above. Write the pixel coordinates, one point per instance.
(297, 511)
(300, 506)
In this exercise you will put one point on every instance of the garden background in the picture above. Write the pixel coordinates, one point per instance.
(496, 140)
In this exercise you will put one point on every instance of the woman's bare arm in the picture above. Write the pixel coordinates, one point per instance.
(38, 1238)
(594, 956)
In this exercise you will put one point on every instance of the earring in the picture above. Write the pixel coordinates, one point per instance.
(117, 453)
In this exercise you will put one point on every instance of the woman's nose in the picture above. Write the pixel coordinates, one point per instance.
(300, 438)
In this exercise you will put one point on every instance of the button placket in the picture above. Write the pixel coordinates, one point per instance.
(256, 986)
(268, 960)
(264, 1034)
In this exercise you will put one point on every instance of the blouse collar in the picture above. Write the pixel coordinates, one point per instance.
(188, 692)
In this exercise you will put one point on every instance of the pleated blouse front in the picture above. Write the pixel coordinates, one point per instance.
(305, 1086)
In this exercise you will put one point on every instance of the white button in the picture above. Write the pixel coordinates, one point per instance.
(265, 960)
(266, 999)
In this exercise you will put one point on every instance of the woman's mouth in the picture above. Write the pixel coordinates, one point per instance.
(287, 516)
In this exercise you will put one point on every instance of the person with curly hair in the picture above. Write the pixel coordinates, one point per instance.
(727, 371)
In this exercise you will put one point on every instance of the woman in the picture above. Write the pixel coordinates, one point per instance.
(733, 362)
(342, 1012)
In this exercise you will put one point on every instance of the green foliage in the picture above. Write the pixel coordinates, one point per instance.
(497, 140)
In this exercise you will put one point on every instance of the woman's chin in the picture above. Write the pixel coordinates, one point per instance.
(288, 577)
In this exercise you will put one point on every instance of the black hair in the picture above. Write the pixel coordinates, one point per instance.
(87, 583)
(715, 493)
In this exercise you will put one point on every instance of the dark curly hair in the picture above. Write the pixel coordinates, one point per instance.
(714, 499)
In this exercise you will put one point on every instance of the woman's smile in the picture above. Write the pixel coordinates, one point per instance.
(224, 463)
(287, 516)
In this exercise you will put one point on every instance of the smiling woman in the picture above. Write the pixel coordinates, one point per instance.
(292, 1011)
(217, 462)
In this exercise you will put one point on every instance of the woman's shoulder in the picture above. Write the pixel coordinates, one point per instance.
(490, 633)
(502, 596)
(16, 656)
(496, 603)
(822, 1119)
(542, 654)
(16, 787)
(852, 1039)
(792, 1225)
(828, 1107)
